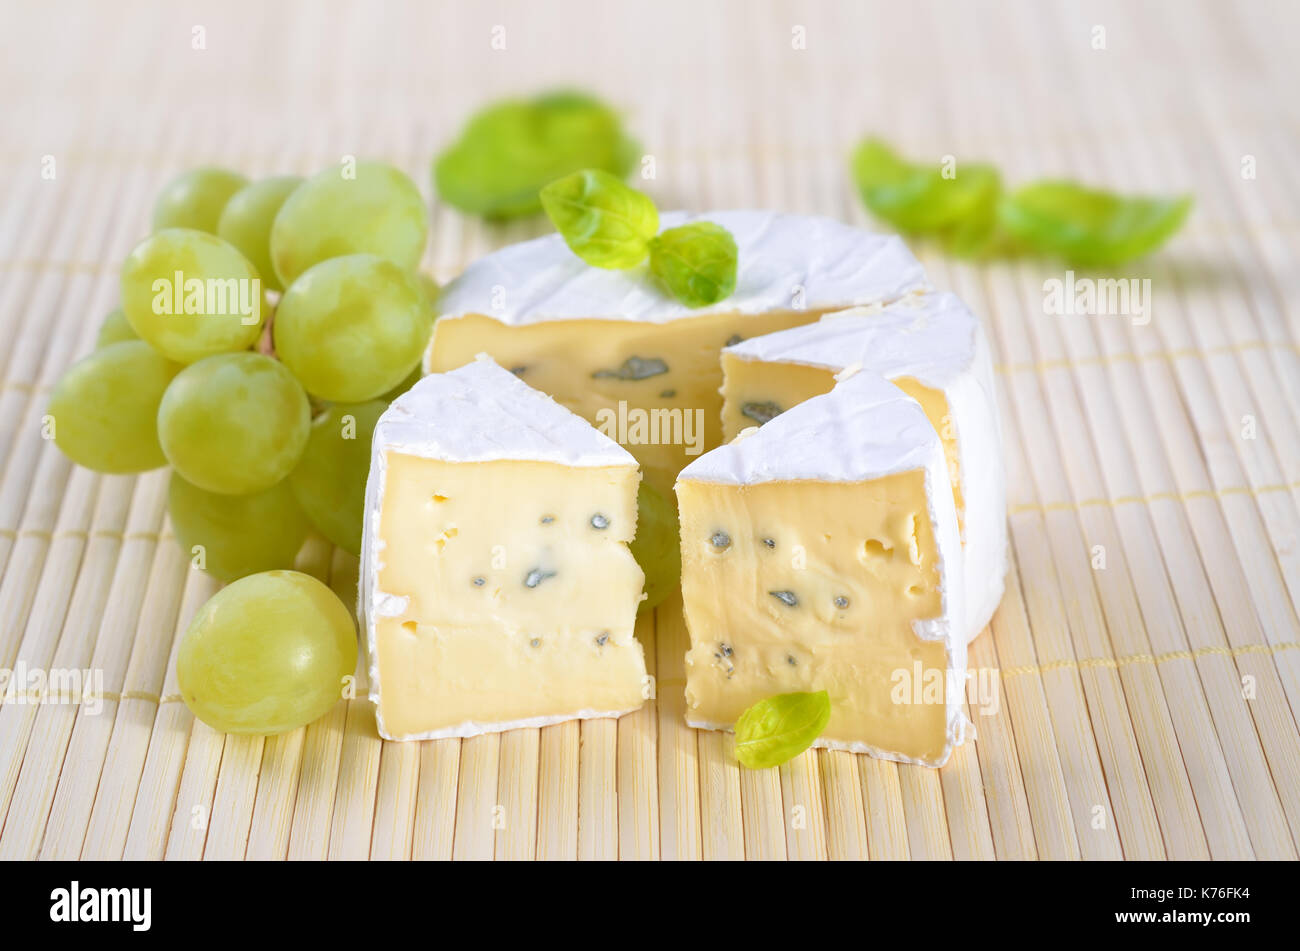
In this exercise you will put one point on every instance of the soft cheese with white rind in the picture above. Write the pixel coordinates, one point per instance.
(785, 262)
(482, 413)
(618, 350)
(497, 589)
(935, 349)
(822, 551)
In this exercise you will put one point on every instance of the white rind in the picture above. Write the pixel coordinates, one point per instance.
(786, 262)
(863, 429)
(932, 337)
(866, 428)
(483, 413)
(935, 339)
(477, 413)
(476, 728)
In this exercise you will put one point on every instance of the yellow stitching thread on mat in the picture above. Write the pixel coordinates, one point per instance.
(128, 536)
(1005, 369)
(1022, 507)
(1036, 366)
(64, 697)
(140, 695)
(767, 149)
(1114, 663)
(1182, 353)
(108, 266)
(32, 388)
(81, 533)
(1087, 663)
(109, 695)
(66, 267)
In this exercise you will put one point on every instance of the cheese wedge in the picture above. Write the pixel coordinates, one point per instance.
(497, 589)
(933, 348)
(617, 350)
(821, 552)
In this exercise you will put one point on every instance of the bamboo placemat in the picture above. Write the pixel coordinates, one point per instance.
(1147, 653)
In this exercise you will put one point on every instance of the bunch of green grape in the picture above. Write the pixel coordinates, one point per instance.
(262, 331)
(186, 371)
(263, 328)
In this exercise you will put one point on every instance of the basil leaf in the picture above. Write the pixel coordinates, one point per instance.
(776, 730)
(977, 233)
(603, 221)
(970, 215)
(510, 150)
(918, 198)
(1088, 226)
(696, 262)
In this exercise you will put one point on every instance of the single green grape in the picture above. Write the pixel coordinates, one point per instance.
(431, 292)
(195, 199)
(235, 423)
(409, 381)
(192, 295)
(352, 327)
(267, 654)
(366, 208)
(237, 535)
(657, 546)
(115, 329)
(246, 222)
(330, 481)
(104, 412)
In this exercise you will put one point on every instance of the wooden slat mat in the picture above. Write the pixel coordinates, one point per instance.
(1146, 658)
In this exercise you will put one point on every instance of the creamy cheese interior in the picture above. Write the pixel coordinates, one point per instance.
(507, 595)
(652, 387)
(807, 585)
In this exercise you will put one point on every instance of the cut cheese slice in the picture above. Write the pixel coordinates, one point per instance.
(617, 350)
(497, 589)
(933, 348)
(821, 552)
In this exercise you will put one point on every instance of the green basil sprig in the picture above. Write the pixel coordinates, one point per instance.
(971, 214)
(508, 151)
(776, 730)
(603, 221)
(920, 198)
(696, 262)
(1088, 226)
(610, 225)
